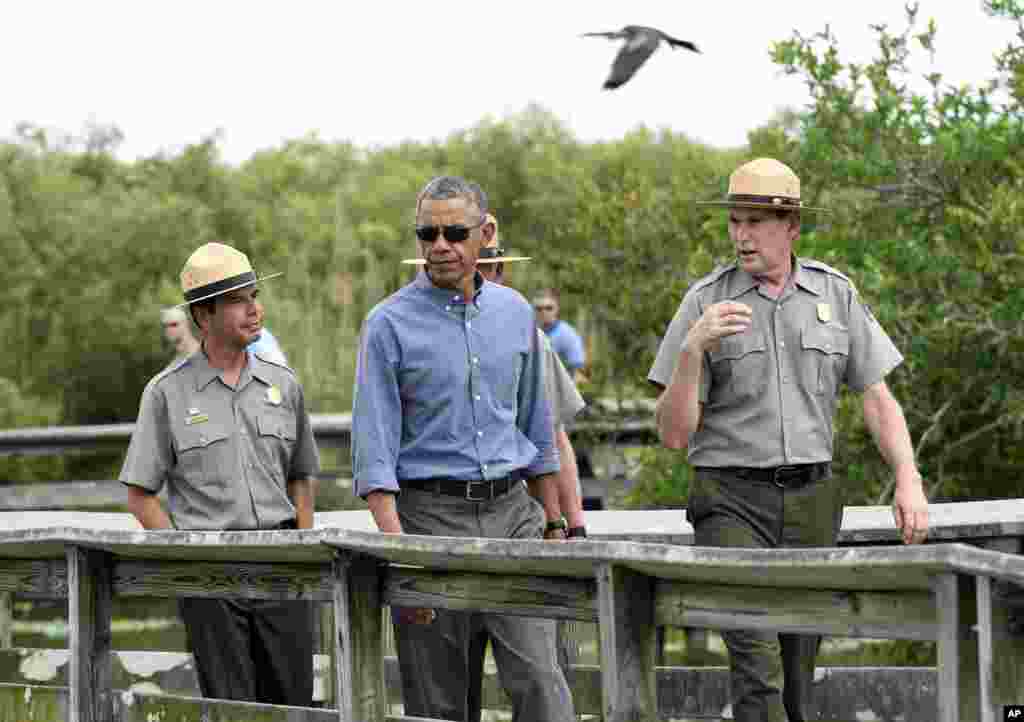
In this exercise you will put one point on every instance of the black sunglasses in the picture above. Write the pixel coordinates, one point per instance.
(544, 308)
(452, 234)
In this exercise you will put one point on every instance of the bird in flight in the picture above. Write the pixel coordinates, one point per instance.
(641, 42)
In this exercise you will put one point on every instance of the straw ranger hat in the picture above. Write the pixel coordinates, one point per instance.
(490, 253)
(215, 269)
(763, 183)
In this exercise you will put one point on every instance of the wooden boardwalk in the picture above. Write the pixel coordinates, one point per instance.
(957, 594)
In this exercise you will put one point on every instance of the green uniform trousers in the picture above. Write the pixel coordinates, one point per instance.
(771, 674)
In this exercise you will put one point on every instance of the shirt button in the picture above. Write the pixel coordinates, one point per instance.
(468, 324)
(785, 379)
(479, 433)
(447, 308)
(477, 397)
(782, 344)
(476, 360)
(484, 467)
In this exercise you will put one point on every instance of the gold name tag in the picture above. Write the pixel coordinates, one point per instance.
(824, 312)
(196, 419)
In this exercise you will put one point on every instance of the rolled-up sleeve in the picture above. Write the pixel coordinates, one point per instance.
(534, 413)
(376, 413)
(665, 361)
(150, 456)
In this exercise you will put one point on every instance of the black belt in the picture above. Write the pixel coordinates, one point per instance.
(480, 490)
(785, 477)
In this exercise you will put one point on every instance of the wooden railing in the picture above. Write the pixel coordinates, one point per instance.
(952, 592)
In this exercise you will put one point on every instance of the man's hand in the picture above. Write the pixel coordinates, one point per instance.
(910, 507)
(718, 320)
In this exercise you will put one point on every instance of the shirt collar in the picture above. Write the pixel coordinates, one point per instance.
(741, 281)
(804, 279)
(446, 296)
(205, 373)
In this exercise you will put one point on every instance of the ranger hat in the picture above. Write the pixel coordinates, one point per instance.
(492, 252)
(763, 183)
(215, 269)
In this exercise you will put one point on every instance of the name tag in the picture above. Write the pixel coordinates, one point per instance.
(274, 396)
(196, 419)
(824, 312)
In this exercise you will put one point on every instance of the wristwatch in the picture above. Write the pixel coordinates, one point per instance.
(576, 531)
(559, 524)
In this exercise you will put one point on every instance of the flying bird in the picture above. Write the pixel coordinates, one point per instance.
(641, 41)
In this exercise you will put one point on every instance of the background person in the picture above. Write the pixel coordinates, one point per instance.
(565, 339)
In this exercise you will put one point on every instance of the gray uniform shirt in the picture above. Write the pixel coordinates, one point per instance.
(768, 395)
(561, 390)
(225, 453)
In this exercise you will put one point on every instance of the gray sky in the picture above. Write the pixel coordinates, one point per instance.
(382, 71)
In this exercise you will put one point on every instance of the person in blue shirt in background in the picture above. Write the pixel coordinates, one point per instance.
(563, 337)
(268, 347)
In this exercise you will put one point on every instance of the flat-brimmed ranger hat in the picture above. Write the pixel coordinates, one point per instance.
(490, 253)
(763, 183)
(215, 269)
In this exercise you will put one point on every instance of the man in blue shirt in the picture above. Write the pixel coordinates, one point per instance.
(565, 339)
(450, 417)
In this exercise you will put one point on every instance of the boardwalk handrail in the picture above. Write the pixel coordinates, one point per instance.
(329, 429)
(926, 592)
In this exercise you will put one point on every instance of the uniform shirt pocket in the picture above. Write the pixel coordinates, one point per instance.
(277, 438)
(826, 349)
(740, 366)
(204, 454)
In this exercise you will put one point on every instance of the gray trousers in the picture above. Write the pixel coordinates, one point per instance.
(438, 661)
(771, 674)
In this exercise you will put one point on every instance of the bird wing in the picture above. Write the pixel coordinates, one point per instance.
(632, 55)
(677, 43)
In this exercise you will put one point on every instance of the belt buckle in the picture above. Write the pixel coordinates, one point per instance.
(469, 491)
(775, 474)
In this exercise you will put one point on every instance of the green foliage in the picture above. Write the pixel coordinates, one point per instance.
(925, 186)
(662, 478)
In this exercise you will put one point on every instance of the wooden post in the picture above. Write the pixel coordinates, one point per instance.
(626, 618)
(89, 609)
(1000, 638)
(6, 619)
(358, 657)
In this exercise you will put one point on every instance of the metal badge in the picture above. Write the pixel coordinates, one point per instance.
(274, 396)
(824, 312)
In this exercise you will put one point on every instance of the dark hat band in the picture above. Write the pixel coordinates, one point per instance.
(212, 289)
(491, 252)
(763, 200)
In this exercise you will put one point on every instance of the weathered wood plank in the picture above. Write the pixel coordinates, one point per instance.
(160, 578)
(883, 615)
(359, 683)
(549, 597)
(41, 578)
(947, 600)
(89, 608)
(987, 712)
(626, 618)
(839, 693)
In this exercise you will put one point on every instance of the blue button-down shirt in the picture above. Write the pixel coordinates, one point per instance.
(446, 388)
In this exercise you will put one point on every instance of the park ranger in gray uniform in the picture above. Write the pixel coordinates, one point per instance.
(751, 367)
(228, 434)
